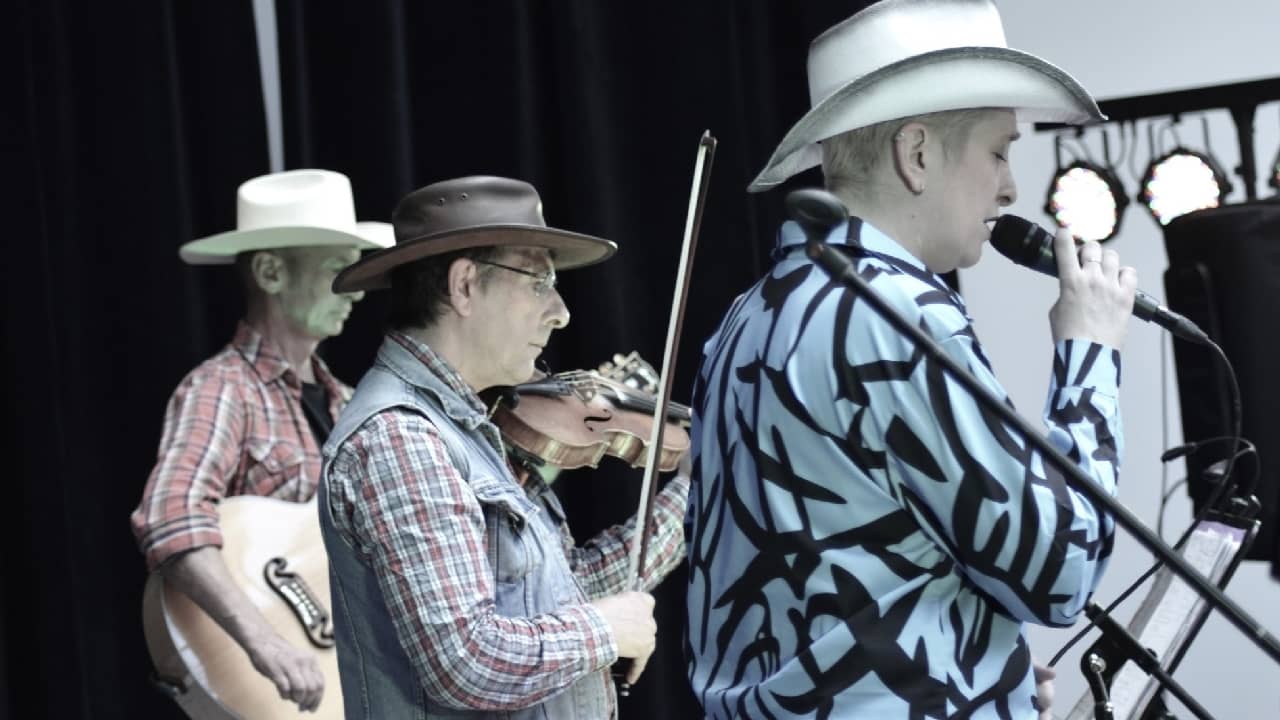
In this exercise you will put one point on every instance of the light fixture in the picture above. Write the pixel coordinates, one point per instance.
(1275, 173)
(1087, 199)
(1180, 182)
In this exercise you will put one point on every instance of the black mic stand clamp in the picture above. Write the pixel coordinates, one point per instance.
(1109, 654)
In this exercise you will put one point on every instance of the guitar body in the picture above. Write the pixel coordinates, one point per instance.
(199, 664)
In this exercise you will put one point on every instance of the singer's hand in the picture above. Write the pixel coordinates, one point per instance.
(1095, 296)
(1044, 689)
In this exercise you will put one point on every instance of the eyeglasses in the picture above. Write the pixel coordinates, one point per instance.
(544, 282)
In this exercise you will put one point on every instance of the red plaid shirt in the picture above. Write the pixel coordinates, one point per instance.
(396, 495)
(234, 426)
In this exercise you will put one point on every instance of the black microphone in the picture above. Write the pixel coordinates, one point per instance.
(816, 211)
(1026, 243)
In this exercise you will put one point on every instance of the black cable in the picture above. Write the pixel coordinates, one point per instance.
(1190, 449)
(1084, 148)
(1204, 127)
(1214, 498)
(1171, 128)
(1164, 431)
(1061, 139)
(1133, 153)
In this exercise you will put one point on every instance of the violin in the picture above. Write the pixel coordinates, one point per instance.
(574, 419)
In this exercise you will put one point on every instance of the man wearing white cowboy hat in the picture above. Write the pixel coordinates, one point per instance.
(458, 589)
(863, 540)
(251, 419)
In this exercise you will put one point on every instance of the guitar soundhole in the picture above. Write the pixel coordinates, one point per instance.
(310, 612)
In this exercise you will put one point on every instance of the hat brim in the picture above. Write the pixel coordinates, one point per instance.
(949, 79)
(568, 250)
(221, 249)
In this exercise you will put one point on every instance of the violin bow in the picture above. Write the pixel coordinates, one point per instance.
(693, 221)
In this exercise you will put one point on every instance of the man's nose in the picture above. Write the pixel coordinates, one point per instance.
(558, 313)
(1008, 188)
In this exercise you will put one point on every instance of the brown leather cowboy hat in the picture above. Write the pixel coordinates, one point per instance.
(477, 211)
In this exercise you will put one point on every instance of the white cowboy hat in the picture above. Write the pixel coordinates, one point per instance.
(297, 208)
(902, 58)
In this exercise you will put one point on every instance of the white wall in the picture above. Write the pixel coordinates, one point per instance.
(1120, 48)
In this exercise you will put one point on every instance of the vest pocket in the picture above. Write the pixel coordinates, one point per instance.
(511, 550)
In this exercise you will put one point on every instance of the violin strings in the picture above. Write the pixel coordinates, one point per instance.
(582, 382)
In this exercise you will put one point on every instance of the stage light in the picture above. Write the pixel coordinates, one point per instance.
(1180, 182)
(1088, 200)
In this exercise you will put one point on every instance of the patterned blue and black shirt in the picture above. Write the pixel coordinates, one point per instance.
(864, 540)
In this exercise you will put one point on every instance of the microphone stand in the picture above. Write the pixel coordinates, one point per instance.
(817, 211)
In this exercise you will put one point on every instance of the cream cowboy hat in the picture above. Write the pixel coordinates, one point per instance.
(902, 58)
(297, 208)
(468, 212)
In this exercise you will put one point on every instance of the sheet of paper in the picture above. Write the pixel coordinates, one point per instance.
(1166, 616)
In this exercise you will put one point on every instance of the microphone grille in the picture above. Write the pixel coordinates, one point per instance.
(1024, 242)
(1012, 236)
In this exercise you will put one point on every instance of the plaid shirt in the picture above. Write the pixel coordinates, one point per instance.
(397, 497)
(234, 426)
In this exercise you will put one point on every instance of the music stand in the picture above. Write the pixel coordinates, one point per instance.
(1168, 619)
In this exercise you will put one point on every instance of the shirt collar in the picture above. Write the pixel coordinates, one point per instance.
(260, 352)
(790, 236)
(438, 367)
(264, 356)
(873, 242)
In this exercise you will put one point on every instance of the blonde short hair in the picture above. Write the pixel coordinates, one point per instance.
(849, 160)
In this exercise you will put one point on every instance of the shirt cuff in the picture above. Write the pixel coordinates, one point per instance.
(599, 648)
(178, 543)
(1087, 364)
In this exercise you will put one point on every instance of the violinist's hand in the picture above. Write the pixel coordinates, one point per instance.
(630, 618)
(685, 468)
(1044, 688)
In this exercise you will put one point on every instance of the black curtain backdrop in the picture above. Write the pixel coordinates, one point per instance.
(127, 129)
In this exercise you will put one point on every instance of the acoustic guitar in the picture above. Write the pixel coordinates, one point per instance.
(274, 553)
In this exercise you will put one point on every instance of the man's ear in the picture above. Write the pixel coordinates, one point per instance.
(269, 271)
(910, 158)
(464, 282)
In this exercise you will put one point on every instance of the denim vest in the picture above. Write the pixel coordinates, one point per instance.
(530, 571)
